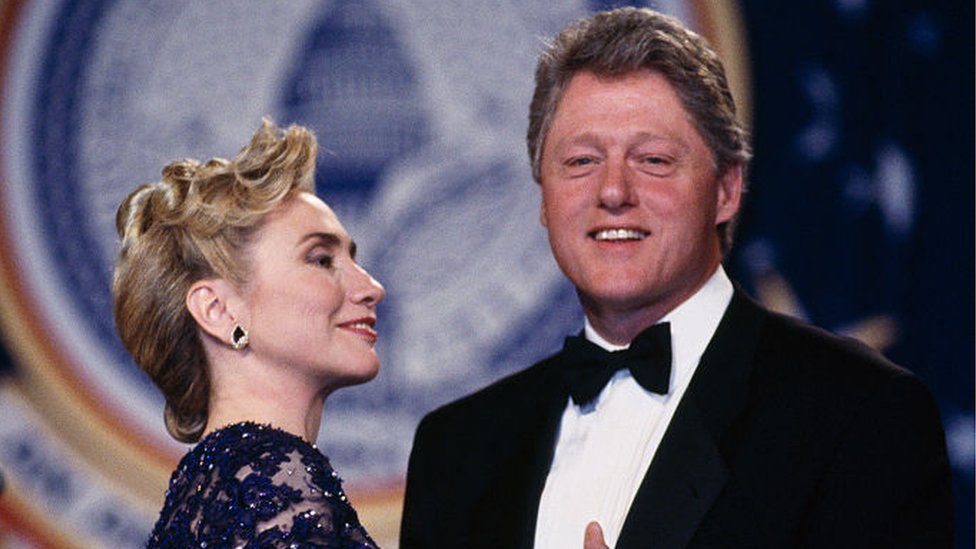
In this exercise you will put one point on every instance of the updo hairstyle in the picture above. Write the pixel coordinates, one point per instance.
(196, 223)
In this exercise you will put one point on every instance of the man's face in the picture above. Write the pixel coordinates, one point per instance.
(630, 195)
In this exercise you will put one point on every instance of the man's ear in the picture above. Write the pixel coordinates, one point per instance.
(543, 214)
(211, 303)
(729, 196)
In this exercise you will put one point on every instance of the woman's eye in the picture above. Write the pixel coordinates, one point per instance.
(321, 260)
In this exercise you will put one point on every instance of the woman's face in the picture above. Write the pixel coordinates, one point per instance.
(311, 309)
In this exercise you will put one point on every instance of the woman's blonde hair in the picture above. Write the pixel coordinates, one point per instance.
(195, 223)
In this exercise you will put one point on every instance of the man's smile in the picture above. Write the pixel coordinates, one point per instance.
(615, 235)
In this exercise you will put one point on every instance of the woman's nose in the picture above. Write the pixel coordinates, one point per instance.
(368, 290)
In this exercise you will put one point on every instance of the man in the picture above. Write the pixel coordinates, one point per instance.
(732, 426)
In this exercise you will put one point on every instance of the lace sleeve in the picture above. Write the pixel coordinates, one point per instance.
(261, 491)
(307, 505)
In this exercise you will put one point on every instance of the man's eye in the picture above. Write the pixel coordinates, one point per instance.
(656, 165)
(579, 162)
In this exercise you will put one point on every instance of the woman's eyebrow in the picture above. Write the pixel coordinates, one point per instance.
(331, 240)
(328, 239)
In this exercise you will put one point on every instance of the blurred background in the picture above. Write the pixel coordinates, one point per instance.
(859, 217)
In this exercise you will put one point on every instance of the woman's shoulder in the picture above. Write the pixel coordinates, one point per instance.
(254, 482)
(245, 481)
(244, 444)
(250, 437)
(233, 450)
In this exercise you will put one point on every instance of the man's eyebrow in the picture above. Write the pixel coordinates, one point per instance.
(649, 137)
(587, 138)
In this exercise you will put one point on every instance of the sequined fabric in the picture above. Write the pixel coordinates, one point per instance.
(254, 486)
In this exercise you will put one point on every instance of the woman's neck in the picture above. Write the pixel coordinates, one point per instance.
(290, 404)
(300, 421)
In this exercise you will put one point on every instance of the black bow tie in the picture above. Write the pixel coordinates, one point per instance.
(587, 367)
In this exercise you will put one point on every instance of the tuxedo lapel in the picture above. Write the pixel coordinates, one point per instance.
(506, 516)
(688, 471)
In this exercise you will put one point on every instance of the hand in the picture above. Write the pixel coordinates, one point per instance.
(593, 539)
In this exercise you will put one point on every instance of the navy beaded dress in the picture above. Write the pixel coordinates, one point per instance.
(255, 486)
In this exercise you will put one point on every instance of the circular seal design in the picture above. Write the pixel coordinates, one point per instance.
(420, 111)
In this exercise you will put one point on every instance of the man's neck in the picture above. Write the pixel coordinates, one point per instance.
(619, 327)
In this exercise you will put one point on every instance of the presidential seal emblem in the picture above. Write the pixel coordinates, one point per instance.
(420, 112)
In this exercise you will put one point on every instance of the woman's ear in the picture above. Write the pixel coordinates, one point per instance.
(210, 302)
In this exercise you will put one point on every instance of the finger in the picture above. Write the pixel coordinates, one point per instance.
(593, 539)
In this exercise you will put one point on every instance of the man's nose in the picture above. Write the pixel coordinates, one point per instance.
(617, 186)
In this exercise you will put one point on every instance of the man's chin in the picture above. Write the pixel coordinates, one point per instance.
(616, 300)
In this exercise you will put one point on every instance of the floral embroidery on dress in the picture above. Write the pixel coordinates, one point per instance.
(255, 486)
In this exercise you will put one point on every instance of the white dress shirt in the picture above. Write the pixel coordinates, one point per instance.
(604, 448)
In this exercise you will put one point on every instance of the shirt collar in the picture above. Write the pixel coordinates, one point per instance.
(693, 322)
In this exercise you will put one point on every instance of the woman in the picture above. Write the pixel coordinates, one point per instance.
(238, 292)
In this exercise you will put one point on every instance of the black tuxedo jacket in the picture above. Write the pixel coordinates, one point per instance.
(787, 436)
